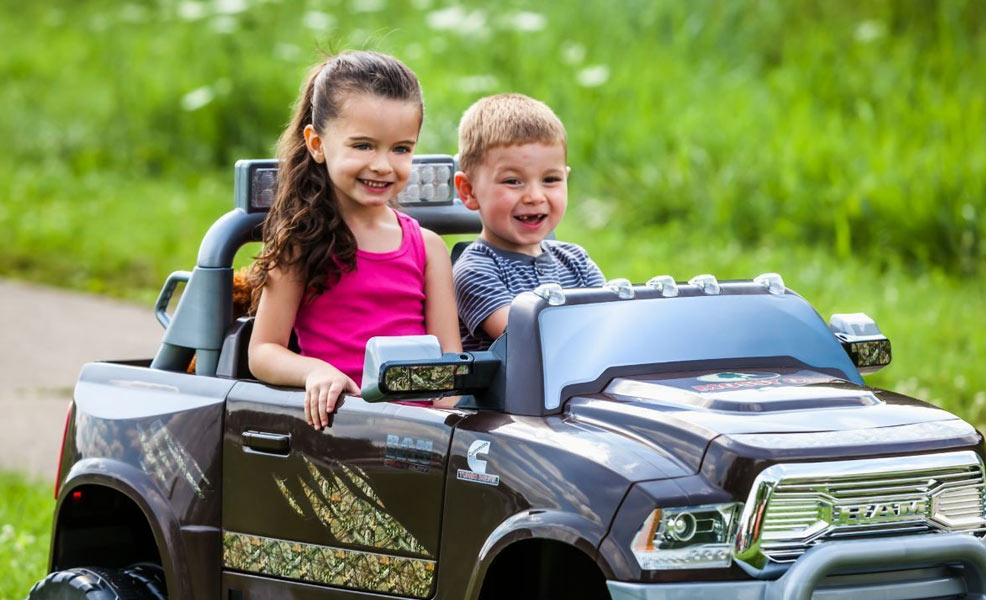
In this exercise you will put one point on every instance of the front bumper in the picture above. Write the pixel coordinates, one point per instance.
(897, 568)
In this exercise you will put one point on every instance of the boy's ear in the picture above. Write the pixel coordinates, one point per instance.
(464, 187)
(314, 143)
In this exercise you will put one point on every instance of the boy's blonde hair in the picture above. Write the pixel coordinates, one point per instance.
(505, 120)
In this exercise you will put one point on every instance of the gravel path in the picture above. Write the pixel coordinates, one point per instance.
(47, 335)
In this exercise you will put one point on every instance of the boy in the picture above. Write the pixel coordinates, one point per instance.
(512, 152)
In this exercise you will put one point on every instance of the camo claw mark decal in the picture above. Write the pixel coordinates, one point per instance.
(283, 487)
(164, 458)
(326, 565)
(345, 503)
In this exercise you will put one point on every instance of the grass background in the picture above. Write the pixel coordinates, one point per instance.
(838, 143)
(26, 509)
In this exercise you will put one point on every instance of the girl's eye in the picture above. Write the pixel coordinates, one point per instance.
(552, 179)
(362, 146)
(403, 149)
(511, 181)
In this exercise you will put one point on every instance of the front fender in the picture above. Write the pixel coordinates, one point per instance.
(554, 525)
(138, 487)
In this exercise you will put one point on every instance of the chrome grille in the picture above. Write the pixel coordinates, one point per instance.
(793, 507)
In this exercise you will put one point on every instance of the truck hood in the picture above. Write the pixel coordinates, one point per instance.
(767, 415)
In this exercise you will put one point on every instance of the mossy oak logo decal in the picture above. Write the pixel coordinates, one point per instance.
(344, 502)
(331, 566)
(423, 378)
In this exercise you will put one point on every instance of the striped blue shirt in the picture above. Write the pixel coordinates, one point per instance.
(487, 278)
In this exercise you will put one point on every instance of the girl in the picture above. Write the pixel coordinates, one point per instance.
(339, 265)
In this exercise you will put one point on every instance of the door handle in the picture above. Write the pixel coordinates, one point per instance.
(267, 443)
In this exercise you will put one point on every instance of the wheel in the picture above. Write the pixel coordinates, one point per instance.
(149, 578)
(87, 583)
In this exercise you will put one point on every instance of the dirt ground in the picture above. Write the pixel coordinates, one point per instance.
(48, 334)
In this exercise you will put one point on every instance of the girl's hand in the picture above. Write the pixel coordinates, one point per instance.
(322, 389)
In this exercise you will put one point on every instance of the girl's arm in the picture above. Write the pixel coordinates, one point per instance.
(271, 360)
(441, 316)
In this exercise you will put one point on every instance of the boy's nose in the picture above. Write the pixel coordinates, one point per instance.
(535, 193)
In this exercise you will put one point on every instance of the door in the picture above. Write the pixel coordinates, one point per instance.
(355, 506)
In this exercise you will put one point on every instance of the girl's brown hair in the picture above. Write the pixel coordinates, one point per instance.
(304, 232)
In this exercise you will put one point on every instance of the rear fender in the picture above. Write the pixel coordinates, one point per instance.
(141, 490)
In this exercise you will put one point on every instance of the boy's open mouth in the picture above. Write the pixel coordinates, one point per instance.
(377, 185)
(531, 219)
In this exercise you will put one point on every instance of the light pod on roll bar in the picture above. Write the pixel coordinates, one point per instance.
(430, 182)
(772, 282)
(707, 283)
(664, 284)
(551, 292)
(621, 287)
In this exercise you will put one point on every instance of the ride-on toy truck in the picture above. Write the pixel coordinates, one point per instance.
(662, 440)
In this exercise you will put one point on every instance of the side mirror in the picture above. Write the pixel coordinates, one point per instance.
(862, 340)
(413, 366)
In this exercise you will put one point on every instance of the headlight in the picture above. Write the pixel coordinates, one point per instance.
(690, 537)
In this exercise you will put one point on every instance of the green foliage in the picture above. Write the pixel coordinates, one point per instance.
(856, 126)
(26, 509)
(839, 143)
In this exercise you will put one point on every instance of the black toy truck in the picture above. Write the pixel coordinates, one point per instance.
(665, 440)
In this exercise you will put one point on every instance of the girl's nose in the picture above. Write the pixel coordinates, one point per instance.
(380, 164)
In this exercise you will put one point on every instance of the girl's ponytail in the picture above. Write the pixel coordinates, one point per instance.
(304, 233)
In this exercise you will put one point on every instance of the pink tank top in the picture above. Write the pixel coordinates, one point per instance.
(384, 295)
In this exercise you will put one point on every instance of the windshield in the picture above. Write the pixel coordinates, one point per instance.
(580, 341)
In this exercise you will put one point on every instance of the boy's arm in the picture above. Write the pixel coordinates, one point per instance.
(481, 294)
(495, 324)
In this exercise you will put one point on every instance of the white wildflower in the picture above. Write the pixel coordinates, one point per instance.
(317, 20)
(224, 24)
(573, 53)
(525, 21)
(458, 20)
(229, 7)
(868, 31)
(197, 98)
(593, 76)
(191, 11)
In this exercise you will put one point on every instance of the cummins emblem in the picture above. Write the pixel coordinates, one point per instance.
(878, 512)
(477, 465)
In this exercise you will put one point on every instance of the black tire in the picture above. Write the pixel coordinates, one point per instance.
(149, 578)
(87, 583)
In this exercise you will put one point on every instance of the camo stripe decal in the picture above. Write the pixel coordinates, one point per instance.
(340, 567)
(343, 501)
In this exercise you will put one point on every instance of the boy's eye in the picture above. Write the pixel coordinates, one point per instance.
(361, 146)
(403, 149)
(552, 179)
(511, 181)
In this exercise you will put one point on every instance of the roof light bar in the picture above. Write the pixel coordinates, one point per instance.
(707, 283)
(621, 287)
(551, 292)
(772, 282)
(665, 284)
(430, 181)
